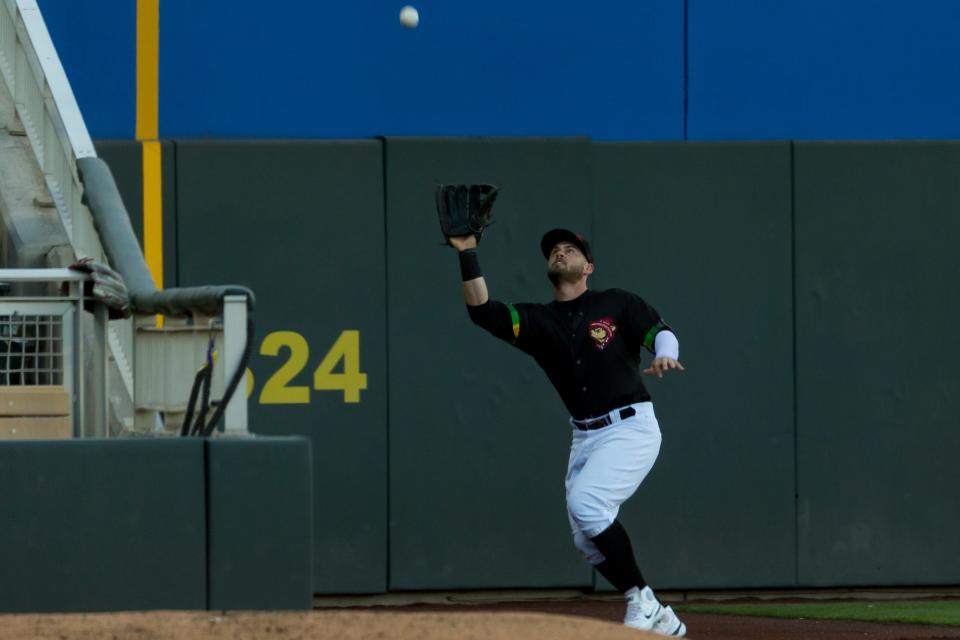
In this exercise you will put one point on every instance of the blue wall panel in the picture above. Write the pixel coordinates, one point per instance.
(348, 69)
(485, 67)
(645, 70)
(821, 69)
(97, 43)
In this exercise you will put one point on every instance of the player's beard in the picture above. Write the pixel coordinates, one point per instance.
(568, 273)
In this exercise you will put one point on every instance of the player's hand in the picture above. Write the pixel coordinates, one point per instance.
(662, 364)
(462, 243)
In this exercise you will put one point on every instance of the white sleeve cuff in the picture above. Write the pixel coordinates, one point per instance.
(666, 344)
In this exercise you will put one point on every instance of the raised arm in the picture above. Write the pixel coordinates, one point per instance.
(502, 320)
(474, 286)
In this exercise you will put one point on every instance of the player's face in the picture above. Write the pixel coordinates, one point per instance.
(567, 263)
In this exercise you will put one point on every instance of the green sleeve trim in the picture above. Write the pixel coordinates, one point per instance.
(651, 335)
(515, 321)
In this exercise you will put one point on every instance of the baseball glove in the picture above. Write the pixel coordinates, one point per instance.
(465, 209)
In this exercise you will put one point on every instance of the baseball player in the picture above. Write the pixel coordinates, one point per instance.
(589, 343)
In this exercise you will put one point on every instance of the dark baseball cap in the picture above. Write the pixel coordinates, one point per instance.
(552, 237)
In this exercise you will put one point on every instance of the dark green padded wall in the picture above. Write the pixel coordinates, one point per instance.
(125, 158)
(701, 230)
(877, 347)
(478, 438)
(703, 233)
(260, 512)
(301, 223)
(102, 525)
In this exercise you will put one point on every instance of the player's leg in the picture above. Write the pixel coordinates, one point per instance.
(606, 467)
(620, 568)
(610, 465)
(620, 575)
(578, 458)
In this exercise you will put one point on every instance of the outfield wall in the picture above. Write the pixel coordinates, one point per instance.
(148, 524)
(810, 441)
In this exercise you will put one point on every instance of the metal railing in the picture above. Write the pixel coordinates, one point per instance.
(41, 348)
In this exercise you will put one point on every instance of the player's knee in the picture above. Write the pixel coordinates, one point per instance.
(587, 548)
(586, 510)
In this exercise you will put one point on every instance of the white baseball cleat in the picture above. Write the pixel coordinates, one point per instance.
(643, 610)
(668, 624)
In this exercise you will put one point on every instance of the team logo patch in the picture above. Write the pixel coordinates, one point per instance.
(602, 331)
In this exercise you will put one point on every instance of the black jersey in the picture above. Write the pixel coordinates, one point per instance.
(589, 347)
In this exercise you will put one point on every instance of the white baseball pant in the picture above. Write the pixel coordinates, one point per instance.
(606, 466)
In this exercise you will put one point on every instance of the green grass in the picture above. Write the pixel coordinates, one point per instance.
(941, 612)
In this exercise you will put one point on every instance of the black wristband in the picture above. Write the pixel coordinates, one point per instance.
(469, 265)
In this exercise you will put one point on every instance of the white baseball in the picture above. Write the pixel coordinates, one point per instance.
(409, 17)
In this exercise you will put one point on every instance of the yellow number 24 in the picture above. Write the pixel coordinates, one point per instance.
(351, 380)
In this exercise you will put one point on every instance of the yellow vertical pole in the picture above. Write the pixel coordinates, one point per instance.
(153, 209)
(148, 68)
(148, 99)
